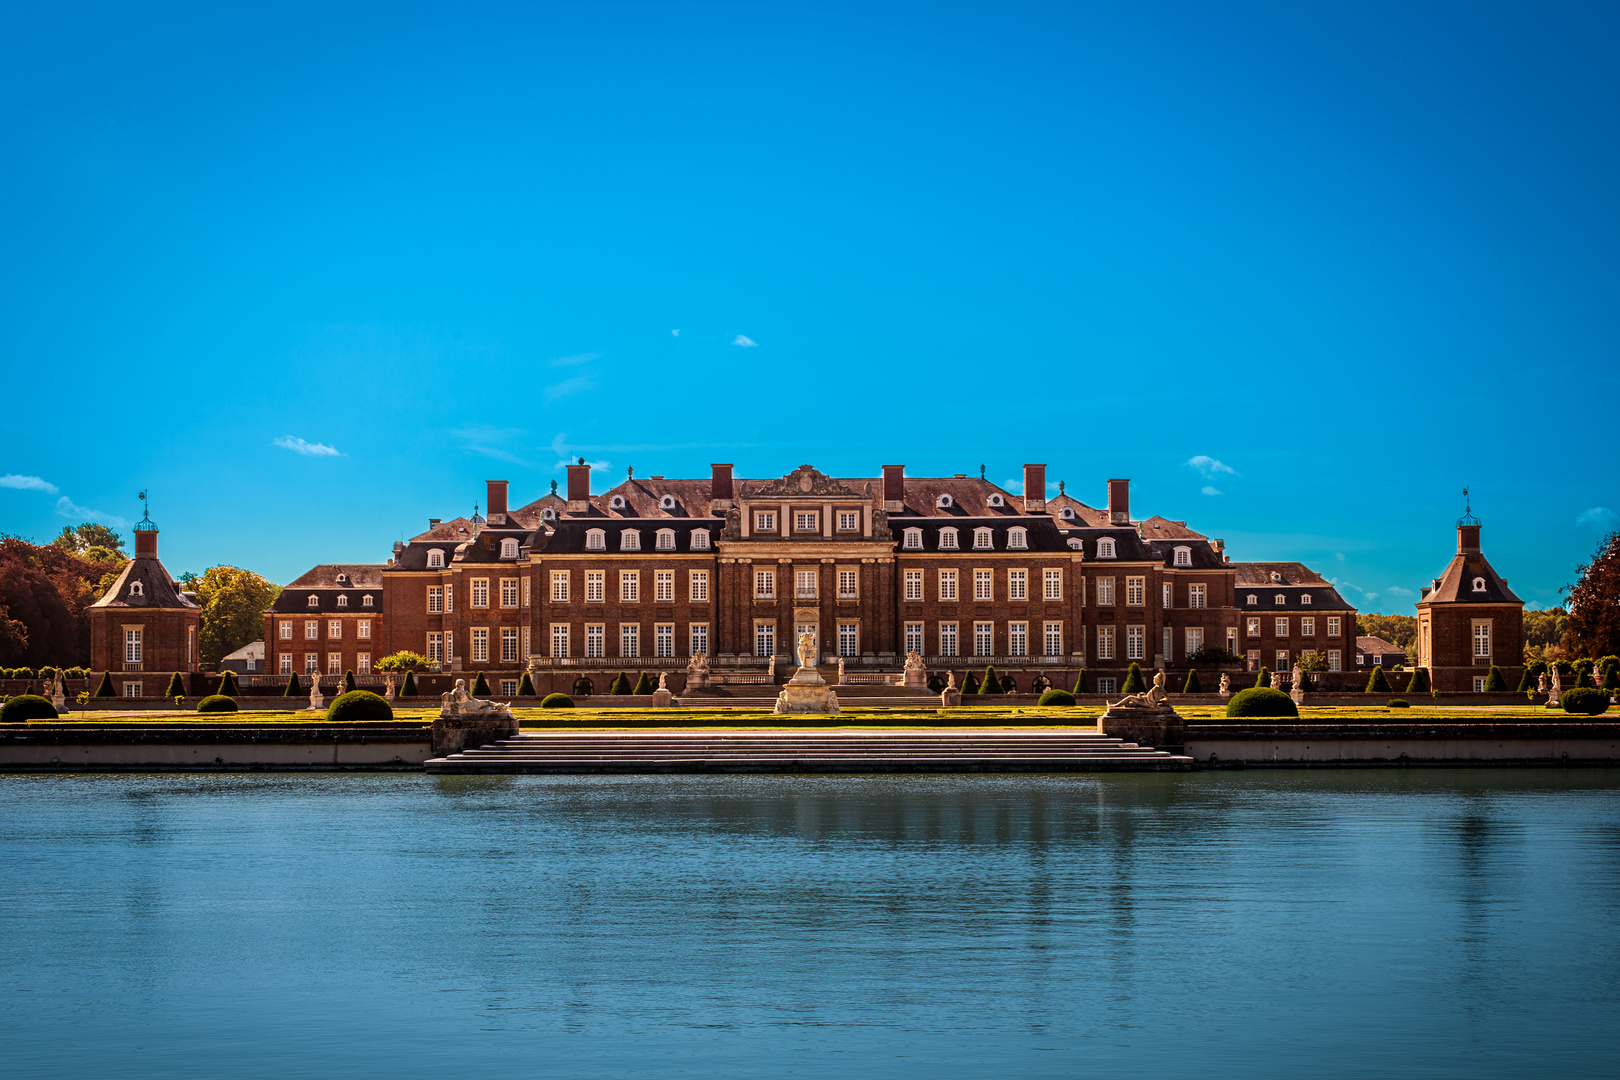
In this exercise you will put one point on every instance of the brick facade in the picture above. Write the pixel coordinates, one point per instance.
(1468, 620)
(144, 628)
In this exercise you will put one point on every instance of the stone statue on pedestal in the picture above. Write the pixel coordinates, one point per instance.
(1226, 685)
(1146, 719)
(697, 672)
(916, 673)
(317, 703)
(1298, 690)
(388, 687)
(950, 696)
(1555, 696)
(1276, 680)
(806, 691)
(458, 702)
(58, 696)
(807, 650)
(840, 670)
(770, 669)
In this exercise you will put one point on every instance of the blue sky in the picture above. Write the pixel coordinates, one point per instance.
(312, 274)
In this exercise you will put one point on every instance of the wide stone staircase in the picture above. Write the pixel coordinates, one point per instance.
(808, 752)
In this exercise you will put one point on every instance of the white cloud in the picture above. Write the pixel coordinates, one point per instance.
(1014, 486)
(73, 512)
(674, 333)
(1208, 490)
(745, 341)
(27, 483)
(580, 358)
(1601, 516)
(578, 384)
(308, 449)
(1396, 590)
(1210, 467)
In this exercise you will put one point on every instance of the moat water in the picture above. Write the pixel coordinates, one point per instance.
(1335, 924)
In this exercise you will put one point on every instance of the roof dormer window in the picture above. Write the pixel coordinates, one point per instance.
(1076, 544)
(1253, 599)
(982, 540)
(1479, 584)
(343, 579)
(1105, 548)
(996, 501)
(667, 502)
(700, 540)
(343, 601)
(365, 601)
(1067, 513)
(1280, 599)
(436, 559)
(616, 503)
(630, 540)
(509, 548)
(666, 540)
(1305, 598)
(913, 541)
(1183, 556)
(947, 540)
(1017, 539)
(944, 502)
(314, 601)
(595, 540)
(1276, 577)
(136, 589)
(548, 514)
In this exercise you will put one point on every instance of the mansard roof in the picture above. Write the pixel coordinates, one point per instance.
(1456, 584)
(569, 535)
(970, 497)
(321, 582)
(325, 576)
(1083, 514)
(642, 497)
(157, 589)
(1203, 556)
(532, 515)
(1293, 598)
(1159, 528)
(1039, 533)
(1254, 574)
(453, 531)
(1128, 547)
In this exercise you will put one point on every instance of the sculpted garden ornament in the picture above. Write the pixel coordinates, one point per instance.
(388, 687)
(1226, 685)
(316, 701)
(458, 702)
(1156, 697)
(807, 651)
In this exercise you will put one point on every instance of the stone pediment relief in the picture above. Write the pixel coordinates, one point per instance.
(803, 481)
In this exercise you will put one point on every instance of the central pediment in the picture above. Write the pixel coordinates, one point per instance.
(803, 481)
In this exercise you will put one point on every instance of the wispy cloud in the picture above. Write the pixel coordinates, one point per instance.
(27, 483)
(492, 442)
(1210, 467)
(308, 449)
(745, 341)
(1601, 516)
(1396, 590)
(568, 387)
(674, 333)
(1211, 490)
(579, 358)
(1340, 583)
(74, 512)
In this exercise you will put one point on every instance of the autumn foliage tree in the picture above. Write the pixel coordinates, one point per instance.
(1594, 604)
(44, 593)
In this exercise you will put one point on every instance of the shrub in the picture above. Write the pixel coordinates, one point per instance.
(1133, 680)
(1377, 683)
(1082, 685)
(644, 685)
(404, 660)
(990, 685)
(78, 673)
(217, 703)
(1261, 701)
(1056, 697)
(1397, 703)
(1192, 686)
(1583, 674)
(409, 689)
(227, 684)
(1585, 701)
(525, 686)
(621, 685)
(348, 682)
(105, 689)
(970, 683)
(1494, 682)
(25, 707)
(556, 701)
(480, 686)
(292, 686)
(1213, 654)
(1611, 679)
(1262, 681)
(1419, 683)
(1527, 681)
(359, 705)
(177, 687)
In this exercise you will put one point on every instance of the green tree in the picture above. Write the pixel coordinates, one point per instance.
(621, 685)
(348, 681)
(1543, 630)
(227, 684)
(1398, 630)
(480, 685)
(991, 684)
(83, 540)
(970, 683)
(1133, 680)
(1419, 683)
(1082, 684)
(233, 603)
(1494, 683)
(292, 686)
(1263, 679)
(106, 687)
(1377, 683)
(1192, 686)
(525, 686)
(177, 687)
(409, 689)
(644, 685)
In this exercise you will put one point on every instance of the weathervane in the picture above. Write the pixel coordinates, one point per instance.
(981, 472)
(146, 514)
(1468, 517)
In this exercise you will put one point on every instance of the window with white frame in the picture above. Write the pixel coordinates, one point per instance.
(617, 503)
(480, 644)
(1018, 584)
(1307, 627)
(1335, 660)
(804, 584)
(509, 592)
(629, 639)
(667, 502)
(947, 584)
(1254, 627)
(1333, 626)
(982, 540)
(1052, 638)
(133, 649)
(594, 586)
(449, 598)
(1231, 640)
(509, 645)
(509, 549)
(312, 663)
(1053, 580)
(983, 585)
(764, 639)
(666, 540)
(849, 584)
(1280, 599)
(480, 593)
(1167, 595)
(559, 586)
(343, 601)
(312, 630)
(914, 638)
(1253, 660)
(1105, 548)
(848, 639)
(1182, 557)
(947, 540)
(1018, 639)
(1105, 642)
(698, 635)
(663, 639)
(509, 688)
(700, 539)
(995, 500)
(285, 629)
(435, 559)
(286, 663)
(132, 689)
(944, 502)
(913, 584)
(1195, 639)
(365, 601)
(559, 639)
(848, 521)
(595, 540)
(984, 639)
(1479, 684)
(764, 585)
(1135, 591)
(334, 629)
(664, 587)
(527, 652)
(595, 640)
(314, 601)
(1018, 539)
(1482, 639)
(630, 540)
(629, 586)
(1168, 650)
(1105, 592)
(1305, 598)
(1253, 600)
(435, 648)
(913, 541)
(1479, 584)
(1282, 628)
(1282, 661)
(764, 521)
(807, 521)
(947, 639)
(697, 585)
(1136, 643)
(1197, 596)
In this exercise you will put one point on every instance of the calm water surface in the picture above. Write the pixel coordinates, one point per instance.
(1413, 923)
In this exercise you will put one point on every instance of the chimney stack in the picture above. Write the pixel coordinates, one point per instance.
(719, 487)
(894, 488)
(579, 488)
(1119, 502)
(146, 543)
(496, 501)
(1467, 539)
(1034, 489)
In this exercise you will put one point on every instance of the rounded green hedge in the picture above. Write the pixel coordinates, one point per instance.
(1397, 703)
(26, 707)
(358, 705)
(556, 701)
(1056, 697)
(1585, 702)
(217, 703)
(1261, 701)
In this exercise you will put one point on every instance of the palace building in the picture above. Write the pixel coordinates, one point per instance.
(1469, 620)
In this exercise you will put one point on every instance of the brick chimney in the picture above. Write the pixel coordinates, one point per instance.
(496, 500)
(579, 488)
(720, 487)
(1467, 539)
(894, 488)
(146, 543)
(1034, 489)
(1119, 502)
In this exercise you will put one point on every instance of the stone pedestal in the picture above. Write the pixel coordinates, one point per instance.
(1161, 728)
(806, 692)
(662, 699)
(453, 734)
(1298, 695)
(950, 698)
(59, 703)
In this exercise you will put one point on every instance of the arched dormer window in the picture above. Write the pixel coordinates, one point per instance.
(365, 601)
(343, 601)
(548, 514)
(947, 540)
(1253, 599)
(666, 540)
(1183, 556)
(595, 540)
(1067, 513)
(1076, 543)
(982, 540)
(1305, 598)
(343, 579)
(1280, 599)
(1105, 548)
(509, 548)
(913, 541)
(996, 500)
(616, 503)
(1017, 539)
(630, 540)
(700, 539)
(944, 502)
(1276, 577)
(314, 601)
(1479, 584)
(436, 559)
(667, 502)
(136, 589)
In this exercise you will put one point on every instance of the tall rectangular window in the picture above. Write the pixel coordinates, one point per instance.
(362, 629)
(509, 645)
(449, 598)
(1254, 660)
(132, 646)
(1105, 592)
(480, 592)
(698, 585)
(1197, 595)
(312, 663)
(595, 640)
(848, 581)
(1282, 660)
(1195, 639)
(984, 639)
(947, 639)
(848, 637)
(629, 586)
(1282, 627)
(1168, 596)
(286, 631)
(334, 629)
(334, 663)
(559, 639)
(1482, 639)
(312, 630)
(1136, 643)
(526, 583)
(509, 592)
(480, 645)
(1135, 591)
(764, 639)
(593, 586)
(286, 663)
(1333, 626)
(982, 587)
(1169, 645)
(1018, 639)
(1018, 584)
(663, 639)
(947, 588)
(804, 584)
(1052, 634)
(1105, 642)
(435, 648)
(699, 638)
(1335, 660)
(1231, 640)
(1307, 627)
(559, 586)
(527, 652)
(664, 587)
(1253, 627)
(914, 584)
(435, 599)
(765, 589)
(914, 638)
(1054, 584)
(629, 639)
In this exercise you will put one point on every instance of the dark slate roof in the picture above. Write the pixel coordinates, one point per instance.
(1322, 596)
(1203, 556)
(453, 531)
(643, 496)
(1083, 514)
(970, 497)
(569, 534)
(157, 588)
(1259, 573)
(321, 582)
(1159, 528)
(1378, 646)
(1457, 584)
(1040, 533)
(1128, 547)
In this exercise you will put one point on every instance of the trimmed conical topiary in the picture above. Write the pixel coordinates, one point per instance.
(644, 685)
(991, 684)
(1527, 681)
(1082, 685)
(1419, 683)
(106, 687)
(1611, 679)
(970, 683)
(1494, 682)
(525, 686)
(291, 689)
(227, 684)
(480, 685)
(177, 686)
(1263, 679)
(409, 689)
(621, 685)
(1377, 683)
(1192, 686)
(1134, 683)
(348, 682)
